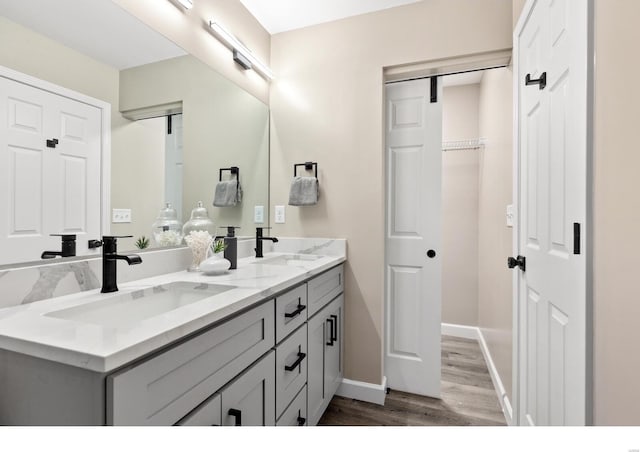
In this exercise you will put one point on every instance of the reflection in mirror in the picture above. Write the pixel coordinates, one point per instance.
(174, 121)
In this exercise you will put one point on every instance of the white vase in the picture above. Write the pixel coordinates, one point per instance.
(215, 265)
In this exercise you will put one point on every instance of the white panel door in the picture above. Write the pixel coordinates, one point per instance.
(46, 190)
(552, 206)
(413, 237)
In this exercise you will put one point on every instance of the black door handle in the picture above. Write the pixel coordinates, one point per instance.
(299, 309)
(431, 254)
(519, 261)
(331, 340)
(541, 82)
(237, 414)
(52, 143)
(297, 362)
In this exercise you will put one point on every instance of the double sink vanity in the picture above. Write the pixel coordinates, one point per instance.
(259, 345)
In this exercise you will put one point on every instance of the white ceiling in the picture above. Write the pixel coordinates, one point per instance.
(283, 15)
(97, 28)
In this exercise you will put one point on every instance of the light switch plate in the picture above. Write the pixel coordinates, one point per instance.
(279, 214)
(510, 215)
(121, 216)
(258, 214)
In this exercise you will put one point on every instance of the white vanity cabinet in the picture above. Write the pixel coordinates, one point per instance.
(325, 357)
(277, 362)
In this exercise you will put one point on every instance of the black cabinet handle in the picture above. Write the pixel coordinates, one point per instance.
(293, 366)
(334, 328)
(237, 414)
(301, 421)
(298, 310)
(331, 339)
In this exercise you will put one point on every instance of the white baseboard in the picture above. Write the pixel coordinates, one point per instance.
(472, 332)
(366, 392)
(464, 331)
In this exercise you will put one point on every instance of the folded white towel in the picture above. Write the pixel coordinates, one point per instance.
(304, 191)
(228, 193)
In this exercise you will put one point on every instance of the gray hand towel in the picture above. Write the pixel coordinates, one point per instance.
(304, 191)
(228, 193)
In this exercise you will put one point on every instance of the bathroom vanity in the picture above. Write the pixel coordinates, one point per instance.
(261, 345)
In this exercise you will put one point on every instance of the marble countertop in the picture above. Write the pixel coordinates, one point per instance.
(32, 330)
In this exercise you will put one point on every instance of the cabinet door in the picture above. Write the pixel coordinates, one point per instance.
(325, 347)
(207, 414)
(291, 368)
(315, 367)
(296, 414)
(333, 347)
(250, 398)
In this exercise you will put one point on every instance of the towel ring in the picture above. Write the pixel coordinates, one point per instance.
(307, 166)
(233, 170)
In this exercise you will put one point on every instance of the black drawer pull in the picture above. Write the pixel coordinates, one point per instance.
(301, 421)
(237, 414)
(298, 310)
(334, 328)
(331, 339)
(293, 366)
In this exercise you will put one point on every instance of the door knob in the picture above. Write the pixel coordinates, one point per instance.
(431, 254)
(519, 261)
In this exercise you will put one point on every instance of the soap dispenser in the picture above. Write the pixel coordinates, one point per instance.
(231, 246)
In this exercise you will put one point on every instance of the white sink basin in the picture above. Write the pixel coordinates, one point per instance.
(127, 309)
(289, 259)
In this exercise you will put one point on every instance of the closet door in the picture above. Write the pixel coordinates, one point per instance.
(47, 187)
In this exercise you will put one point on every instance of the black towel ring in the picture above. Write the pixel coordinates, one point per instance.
(233, 170)
(307, 166)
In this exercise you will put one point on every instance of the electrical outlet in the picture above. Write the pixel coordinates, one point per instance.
(258, 214)
(121, 216)
(279, 214)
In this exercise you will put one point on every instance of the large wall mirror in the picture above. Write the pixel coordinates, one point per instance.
(175, 122)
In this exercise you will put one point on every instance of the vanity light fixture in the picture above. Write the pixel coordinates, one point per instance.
(241, 54)
(186, 3)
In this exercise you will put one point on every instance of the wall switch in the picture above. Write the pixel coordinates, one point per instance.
(121, 216)
(258, 214)
(510, 215)
(279, 214)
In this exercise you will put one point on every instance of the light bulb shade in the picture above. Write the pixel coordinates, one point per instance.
(233, 43)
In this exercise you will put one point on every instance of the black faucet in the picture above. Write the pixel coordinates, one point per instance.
(110, 257)
(68, 247)
(259, 239)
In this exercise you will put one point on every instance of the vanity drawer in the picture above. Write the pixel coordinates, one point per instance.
(209, 413)
(296, 414)
(291, 368)
(163, 389)
(291, 311)
(324, 288)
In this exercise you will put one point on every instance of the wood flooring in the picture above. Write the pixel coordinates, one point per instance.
(468, 396)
